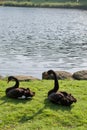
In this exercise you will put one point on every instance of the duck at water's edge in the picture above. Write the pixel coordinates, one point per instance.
(59, 97)
(16, 92)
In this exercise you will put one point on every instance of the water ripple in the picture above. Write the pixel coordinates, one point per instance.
(33, 40)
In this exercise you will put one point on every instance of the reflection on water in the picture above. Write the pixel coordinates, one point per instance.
(33, 40)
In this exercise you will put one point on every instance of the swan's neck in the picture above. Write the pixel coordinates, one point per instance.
(56, 85)
(15, 86)
(16, 83)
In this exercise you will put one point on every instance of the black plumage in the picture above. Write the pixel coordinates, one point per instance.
(16, 92)
(59, 97)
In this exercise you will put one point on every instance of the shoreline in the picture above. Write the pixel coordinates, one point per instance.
(61, 74)
(67, 5)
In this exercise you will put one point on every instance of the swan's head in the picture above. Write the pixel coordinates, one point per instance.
(50, 72)
(10, 78)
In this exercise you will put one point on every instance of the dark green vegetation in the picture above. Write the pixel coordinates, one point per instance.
(46, 3)
(39, 113)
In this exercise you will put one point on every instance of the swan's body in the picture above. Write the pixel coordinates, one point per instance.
(59, 97)
(16, 92)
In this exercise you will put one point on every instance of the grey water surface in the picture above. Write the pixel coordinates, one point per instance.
(34, 40)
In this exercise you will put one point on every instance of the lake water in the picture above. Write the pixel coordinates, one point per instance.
(34, 40)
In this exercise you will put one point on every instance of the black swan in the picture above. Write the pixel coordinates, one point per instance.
(59, 97)
(16, 92)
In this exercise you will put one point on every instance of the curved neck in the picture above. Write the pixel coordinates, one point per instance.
(16, 84)
(56, 84)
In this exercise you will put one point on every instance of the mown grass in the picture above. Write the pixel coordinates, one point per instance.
(39, 113)
(45, 3)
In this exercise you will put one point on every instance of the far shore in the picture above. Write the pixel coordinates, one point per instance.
(68, 5)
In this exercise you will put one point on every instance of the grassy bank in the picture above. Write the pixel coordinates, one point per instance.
(39, 113)
(45, 3)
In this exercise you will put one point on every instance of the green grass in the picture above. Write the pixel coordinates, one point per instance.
(39, 113)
